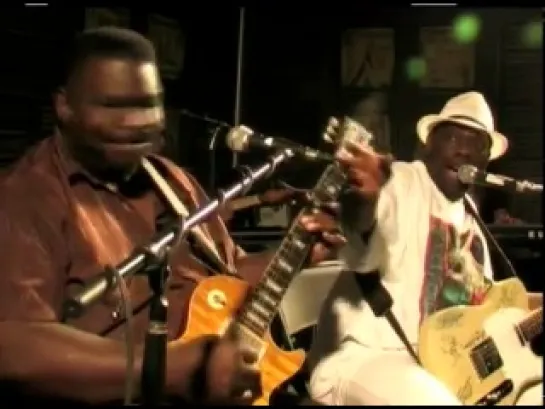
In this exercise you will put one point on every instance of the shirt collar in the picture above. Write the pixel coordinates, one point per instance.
(74, 170)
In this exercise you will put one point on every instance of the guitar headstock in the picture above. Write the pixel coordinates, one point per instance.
(339, 132)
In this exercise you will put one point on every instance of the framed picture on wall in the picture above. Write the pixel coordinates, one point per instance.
(367, 57)
(101, 16)
(449, 64)
(169, 42)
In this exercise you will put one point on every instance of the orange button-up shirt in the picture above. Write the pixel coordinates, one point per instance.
(59, 227)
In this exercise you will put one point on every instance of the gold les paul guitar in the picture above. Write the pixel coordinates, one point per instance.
(482, 353)
(223, 303)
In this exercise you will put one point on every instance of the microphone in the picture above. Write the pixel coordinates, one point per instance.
(241, 138)
(470, 175)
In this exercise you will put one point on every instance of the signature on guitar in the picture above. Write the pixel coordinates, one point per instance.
(465, 390)
(449, 319)
(507, 297)
(450, 346)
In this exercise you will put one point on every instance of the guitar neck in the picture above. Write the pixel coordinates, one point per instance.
(532, 325)
(263, 303)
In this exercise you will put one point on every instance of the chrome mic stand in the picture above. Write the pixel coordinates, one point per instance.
(155, 344)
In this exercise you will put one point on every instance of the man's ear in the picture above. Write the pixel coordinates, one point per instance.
(62, 108)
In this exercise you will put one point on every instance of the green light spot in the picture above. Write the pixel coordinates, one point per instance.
(416, 68)
(532, 34)
(466, 28)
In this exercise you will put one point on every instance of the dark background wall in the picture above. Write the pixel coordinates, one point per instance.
(291, 77)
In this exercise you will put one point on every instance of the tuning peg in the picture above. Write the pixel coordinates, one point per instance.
(327, 138)
(332, 126)
(333, 122)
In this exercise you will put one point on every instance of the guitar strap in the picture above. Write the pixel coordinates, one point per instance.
(180, 210)
(396, 326)
(380, 301)
(508, 269)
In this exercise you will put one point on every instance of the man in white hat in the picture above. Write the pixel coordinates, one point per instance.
(414, 229)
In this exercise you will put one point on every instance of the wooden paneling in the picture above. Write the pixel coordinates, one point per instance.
(521, 93)
(523, 124)
(19, 125)
(31, 41)
(520, 101)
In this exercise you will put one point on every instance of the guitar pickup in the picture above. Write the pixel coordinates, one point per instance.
(486, 358)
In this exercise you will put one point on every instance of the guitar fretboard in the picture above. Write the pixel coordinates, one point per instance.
(263, 303)
(532, 325)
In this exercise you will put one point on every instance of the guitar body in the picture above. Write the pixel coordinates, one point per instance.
(212, 305)
(449, 337)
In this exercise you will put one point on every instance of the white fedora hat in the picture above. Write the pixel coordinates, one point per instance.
(469, 109)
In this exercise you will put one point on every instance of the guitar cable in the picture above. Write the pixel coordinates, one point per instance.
(490, 238)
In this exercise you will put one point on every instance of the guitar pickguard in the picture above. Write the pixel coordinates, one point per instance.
(483, 358)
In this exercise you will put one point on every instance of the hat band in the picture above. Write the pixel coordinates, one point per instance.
(468, 118)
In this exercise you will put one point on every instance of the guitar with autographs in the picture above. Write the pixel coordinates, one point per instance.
(223, 303)
(482, 353)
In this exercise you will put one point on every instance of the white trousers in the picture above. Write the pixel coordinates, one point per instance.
(363, 376)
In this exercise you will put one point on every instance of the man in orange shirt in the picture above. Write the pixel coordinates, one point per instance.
(80, 200)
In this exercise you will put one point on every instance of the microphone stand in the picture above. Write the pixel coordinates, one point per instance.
(155, 344)
(152, 260)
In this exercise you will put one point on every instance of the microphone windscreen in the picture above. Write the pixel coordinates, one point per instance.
(467, 173)
(238, 138)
